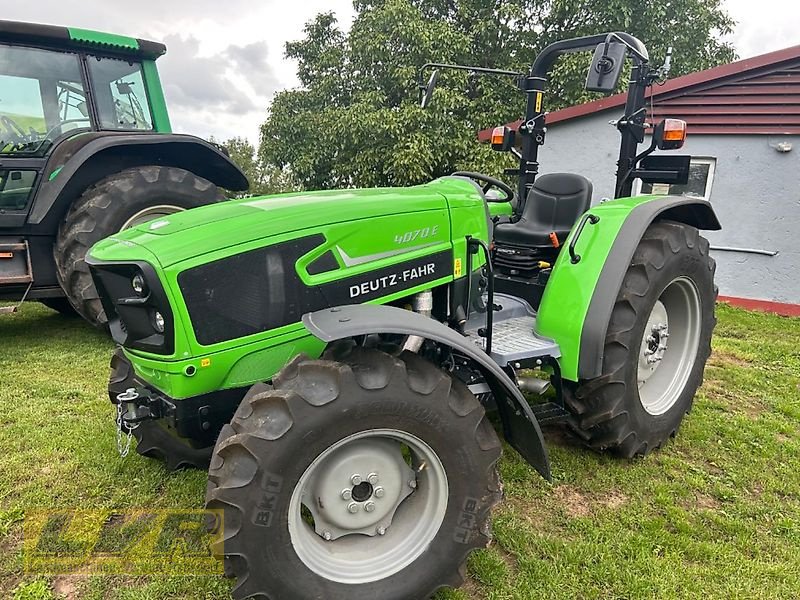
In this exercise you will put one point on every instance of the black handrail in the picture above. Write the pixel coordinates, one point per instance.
(471, 242)
(587, 218)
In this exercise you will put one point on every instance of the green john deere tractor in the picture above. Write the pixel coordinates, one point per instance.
(330, 356)
(86, 150)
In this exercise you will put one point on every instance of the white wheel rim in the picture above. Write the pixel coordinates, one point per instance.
(669, 346)
(150, 213)
(388, 539)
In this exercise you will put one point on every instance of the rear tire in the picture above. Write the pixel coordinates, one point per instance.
(120, 200)
(294, 443)
(649, 379)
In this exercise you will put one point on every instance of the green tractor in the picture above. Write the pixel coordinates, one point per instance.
(86, 150)
(331, 356)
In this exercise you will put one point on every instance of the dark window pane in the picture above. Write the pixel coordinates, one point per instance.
(120, 94)
(15, 189)
(698, 179)
(41, 98)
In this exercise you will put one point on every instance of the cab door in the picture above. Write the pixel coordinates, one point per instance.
(43, 99)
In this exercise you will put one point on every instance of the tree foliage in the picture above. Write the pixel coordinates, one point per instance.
(265, 178)
(355, 120)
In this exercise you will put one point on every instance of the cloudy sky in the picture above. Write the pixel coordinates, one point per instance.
(225, 59)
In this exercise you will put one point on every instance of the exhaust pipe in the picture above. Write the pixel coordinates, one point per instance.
(422, 304)
(533, 385)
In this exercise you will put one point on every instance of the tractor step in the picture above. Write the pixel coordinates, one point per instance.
(15, 269)
(514, 340)
(549, 413)
(513, 337)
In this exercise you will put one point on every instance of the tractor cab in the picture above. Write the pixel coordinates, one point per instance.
(82, 115)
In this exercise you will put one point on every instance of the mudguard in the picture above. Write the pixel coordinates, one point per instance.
(520, 427)
(580, 296)
(80, 161)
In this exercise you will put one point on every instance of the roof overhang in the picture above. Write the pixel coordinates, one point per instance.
(70, 38)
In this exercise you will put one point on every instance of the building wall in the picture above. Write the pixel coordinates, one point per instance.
(755, 192)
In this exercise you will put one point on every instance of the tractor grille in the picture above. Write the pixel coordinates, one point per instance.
(250, 292)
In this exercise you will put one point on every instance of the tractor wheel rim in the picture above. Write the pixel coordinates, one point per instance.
(377, 499)
(669, 346)
(150, 213)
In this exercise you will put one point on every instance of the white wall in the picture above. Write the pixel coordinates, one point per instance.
(755, 193)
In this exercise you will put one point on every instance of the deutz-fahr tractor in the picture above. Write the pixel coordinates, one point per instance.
(332, 356)
(86, 150)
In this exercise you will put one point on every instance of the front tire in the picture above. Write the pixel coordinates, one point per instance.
(117, 202)
(657, 345)
(296, 470)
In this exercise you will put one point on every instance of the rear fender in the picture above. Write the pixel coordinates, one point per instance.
(579, 297)
(84, 159)
(520, 427)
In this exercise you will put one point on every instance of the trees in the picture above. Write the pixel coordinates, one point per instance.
(264, 178)
(355, 120)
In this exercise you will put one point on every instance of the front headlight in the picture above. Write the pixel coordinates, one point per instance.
(138, 284)
(136, 304)
(159, 323)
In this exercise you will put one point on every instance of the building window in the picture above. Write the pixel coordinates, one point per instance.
(701, 176)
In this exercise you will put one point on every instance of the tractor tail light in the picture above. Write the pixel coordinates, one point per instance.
(498, 135)
(670, 134)
(675, 130)
(502, 138)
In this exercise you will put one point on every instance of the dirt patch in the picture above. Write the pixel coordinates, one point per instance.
(9, 545)
(720, 358)
(472, 590)
(614, 500)
(706, 502)
(581, 504)
(67, 587)
(507, 557)
(560, 435)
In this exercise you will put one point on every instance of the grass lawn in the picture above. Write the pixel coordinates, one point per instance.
(715, 514)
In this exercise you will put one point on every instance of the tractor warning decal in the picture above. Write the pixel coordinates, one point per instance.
(382, 282)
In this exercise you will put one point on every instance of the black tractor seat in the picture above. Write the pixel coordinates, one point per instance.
(554, 204)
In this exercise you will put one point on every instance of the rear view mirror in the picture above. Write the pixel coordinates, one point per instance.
(669, 134)
(606, 67)
(426, 92)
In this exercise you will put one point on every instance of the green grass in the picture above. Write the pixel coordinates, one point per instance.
(715, 514)
(27, 121)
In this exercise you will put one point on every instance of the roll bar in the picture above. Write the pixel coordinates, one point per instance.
(533, 84)
(547, 57)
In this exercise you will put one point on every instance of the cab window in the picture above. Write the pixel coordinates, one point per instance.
(120, 94)
(42, 98)
(15, 189)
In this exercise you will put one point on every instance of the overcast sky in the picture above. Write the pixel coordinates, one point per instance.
(225, 59)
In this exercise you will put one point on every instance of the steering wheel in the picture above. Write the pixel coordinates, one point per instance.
(488, 183)
(13, 128)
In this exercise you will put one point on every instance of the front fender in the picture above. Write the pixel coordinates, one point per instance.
(578, 300)
(520, 426)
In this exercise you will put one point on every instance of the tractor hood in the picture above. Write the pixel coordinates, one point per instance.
(192, 233)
